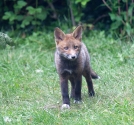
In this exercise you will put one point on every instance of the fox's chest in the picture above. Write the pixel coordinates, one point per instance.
(68, 71)
(71, 68)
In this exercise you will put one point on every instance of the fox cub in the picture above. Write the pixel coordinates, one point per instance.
(72, 61)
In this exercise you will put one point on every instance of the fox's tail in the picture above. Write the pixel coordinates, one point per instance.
(94, 75)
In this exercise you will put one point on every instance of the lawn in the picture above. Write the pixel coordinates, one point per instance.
(30, 92)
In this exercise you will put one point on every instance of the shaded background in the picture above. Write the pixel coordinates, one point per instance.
(26, 16)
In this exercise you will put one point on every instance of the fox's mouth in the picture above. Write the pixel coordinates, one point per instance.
(72, 59)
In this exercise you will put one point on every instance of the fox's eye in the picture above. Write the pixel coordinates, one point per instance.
(65, 48)
(75, 47)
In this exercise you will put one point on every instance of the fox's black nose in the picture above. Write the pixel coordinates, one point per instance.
(73, 57)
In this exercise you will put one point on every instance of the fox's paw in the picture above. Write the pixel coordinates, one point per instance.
(65, 106)
(77, 101)
(91, 93)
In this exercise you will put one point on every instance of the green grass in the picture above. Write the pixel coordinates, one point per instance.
(30, 91)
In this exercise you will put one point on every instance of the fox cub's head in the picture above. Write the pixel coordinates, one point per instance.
(68, 45)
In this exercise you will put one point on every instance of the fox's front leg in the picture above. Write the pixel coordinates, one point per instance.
(78, 83)
(72, 88)
(64, 92)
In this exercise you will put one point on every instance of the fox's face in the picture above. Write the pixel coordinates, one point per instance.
(68, 45)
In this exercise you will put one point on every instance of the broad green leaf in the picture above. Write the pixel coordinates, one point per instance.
(24, 23)
(123, 14)
(84, 3)
(12, 18)
(77, 1)
(130, 10)
(38, 10)
(128, 29)
(29, 18)
(124, 1)
(128, 26)
(34, 22)
(21, 4)
(115, 25)
(118, 18)
(42, 16)
(19, 17)
(7, 15)
(31, 10)
(113, 16)
(16, 8)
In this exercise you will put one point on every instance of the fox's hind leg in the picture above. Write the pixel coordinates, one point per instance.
(88, 77)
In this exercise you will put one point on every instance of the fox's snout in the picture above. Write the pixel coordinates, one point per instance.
(69, 56)
(72, 57)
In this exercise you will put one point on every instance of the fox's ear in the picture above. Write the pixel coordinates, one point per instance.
(77, 33)
(59, 35)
